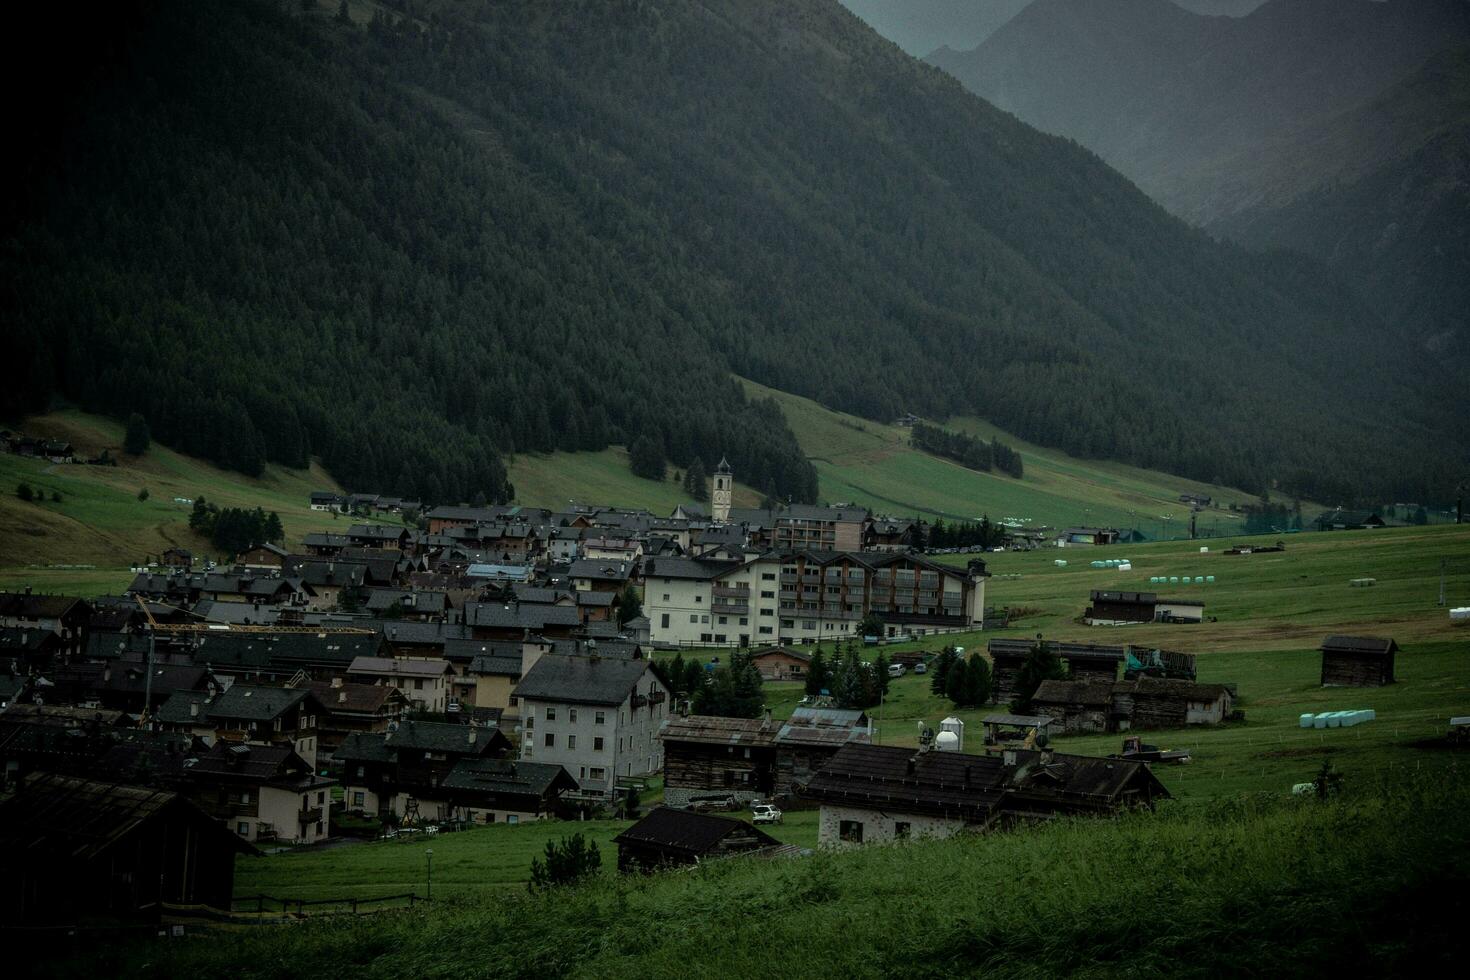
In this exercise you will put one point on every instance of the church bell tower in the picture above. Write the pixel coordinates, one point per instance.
(720, 498)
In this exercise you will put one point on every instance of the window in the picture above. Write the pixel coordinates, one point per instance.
(320, 798)
(768, 595)
(600, 718)
(666, 597)
(704, 619)
(698, 599)
(550, 739)
(571, 741)
(765, 630)
(664, 621)
(597, 743)
(768, 576)
(694, 617)
(850, 831)
(572, 715)
(512, 818)
(768, 612)
(744, 621)
(360, 772)
(242, 828)
(583, 773)
(530, 721)
(514, 700)
(418, 683)
(358, 799)
(599, 774)
(551, 714)
(900, 829)
(724, 621)
(245, 796)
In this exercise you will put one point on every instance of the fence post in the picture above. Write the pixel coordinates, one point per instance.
(259, 904)
(354, 906)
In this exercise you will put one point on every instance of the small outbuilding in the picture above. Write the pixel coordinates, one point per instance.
(73, 850)
(1357, 661)
(671, 838)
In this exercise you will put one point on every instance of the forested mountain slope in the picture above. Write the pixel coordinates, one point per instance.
(1272, 129)
(456, 229)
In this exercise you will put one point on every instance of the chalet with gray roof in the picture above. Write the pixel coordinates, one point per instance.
(597, 716)
(67, 616)
(262, 792)
(403, 770)
(485, 790)
(424, 682)
(269, 716)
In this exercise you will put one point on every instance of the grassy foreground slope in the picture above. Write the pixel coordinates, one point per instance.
(1249, 885)
(872, 464)
(101, 522)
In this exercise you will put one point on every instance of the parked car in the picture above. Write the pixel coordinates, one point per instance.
(896, 670)
(766, 813)
(921, 668)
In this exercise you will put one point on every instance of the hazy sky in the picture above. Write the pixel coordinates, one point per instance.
(920, 26)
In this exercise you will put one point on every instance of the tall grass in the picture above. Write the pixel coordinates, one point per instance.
(1370, 883)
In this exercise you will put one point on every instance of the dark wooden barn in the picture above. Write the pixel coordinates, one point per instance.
(670, 838)
(74, 850)
(1006, 657)
(1357, 661)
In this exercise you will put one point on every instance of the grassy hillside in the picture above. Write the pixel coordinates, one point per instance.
(555, 479)
(1249, 885)
(873, 464)
(101, 522)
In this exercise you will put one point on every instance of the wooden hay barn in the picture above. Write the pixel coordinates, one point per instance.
(75, 850)
(1357, 661)
(670, 838)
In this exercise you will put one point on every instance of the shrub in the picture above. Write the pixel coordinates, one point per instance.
(566, 863)
(24, 492)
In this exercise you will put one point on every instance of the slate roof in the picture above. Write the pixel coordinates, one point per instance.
(398, 666)
(254, 763)
(689, 568)
(1094, 692)
(350, 698)
(33, 606)
(716, 730)
(61, 819)
(687, 832)
(838, 717)
(1363, 645)
(507, 777)
(177, 709)
(605, 569)
(363, 747)
(888, 777)
(582, 680)
(247, 702)
(449, 738)
(532, 616)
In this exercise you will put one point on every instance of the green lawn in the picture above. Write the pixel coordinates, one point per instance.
(468, 864)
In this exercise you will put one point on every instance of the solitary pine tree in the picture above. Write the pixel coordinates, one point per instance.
(630, 606)
(1040, 665)
(696, 480)
(138, 437)
(566, 863)
(817, 679)
(977, 682)
(955, 681)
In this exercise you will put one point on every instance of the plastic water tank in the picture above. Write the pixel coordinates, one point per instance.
(955, 727)
(946, 742)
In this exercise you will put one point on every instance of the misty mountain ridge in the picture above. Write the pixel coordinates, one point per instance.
(413, 245)
(1225, 121)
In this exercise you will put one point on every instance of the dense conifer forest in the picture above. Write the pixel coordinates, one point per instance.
(415, 243)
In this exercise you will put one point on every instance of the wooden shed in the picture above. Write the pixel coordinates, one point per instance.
(670, 838)
(75, 850)
(1357, 661)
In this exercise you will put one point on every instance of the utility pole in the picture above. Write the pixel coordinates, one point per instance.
(429, 876)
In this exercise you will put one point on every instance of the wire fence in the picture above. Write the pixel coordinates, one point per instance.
(300, 907)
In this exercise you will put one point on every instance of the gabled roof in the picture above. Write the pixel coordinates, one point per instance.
(606, 569)
(690, 568)
(60, 819)
(717, 730)
(400, 667)
(451, 739)
(1363, 645)
(248, 702)
(1091, 692)
(257, 763)
(23, 605)
(888, 777)
(532, 616)
(835, 717)
(782, 651)
(690, 833)
(508, 777)
(583, 680)
(349, 698)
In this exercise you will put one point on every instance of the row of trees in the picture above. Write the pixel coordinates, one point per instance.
(965, 534)
(967, 450)
(235, 529)
(847, 679)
